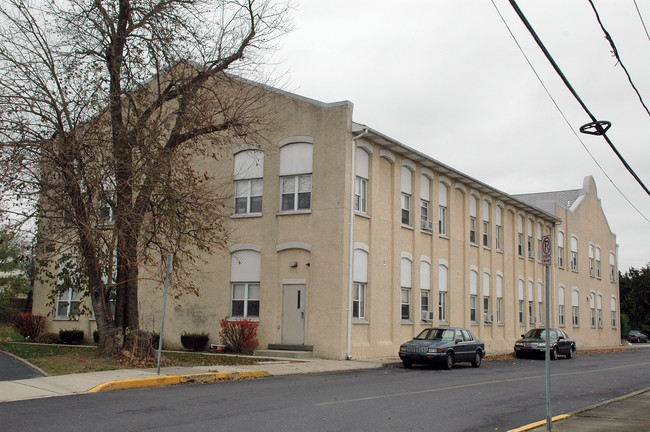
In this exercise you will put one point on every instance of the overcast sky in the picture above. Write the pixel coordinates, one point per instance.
(446, 77)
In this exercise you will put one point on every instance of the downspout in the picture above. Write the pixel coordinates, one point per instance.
(351, 241)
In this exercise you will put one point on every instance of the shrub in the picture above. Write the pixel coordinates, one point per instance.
(49, 338)
(239, 336)
(194, 341)
(96, 336)
(72, 337)
(29, 326)
(155, 340)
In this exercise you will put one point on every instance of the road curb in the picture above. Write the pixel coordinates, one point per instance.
(535, 425)
(178, 379)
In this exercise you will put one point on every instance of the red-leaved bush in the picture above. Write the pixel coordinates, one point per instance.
(239, 336)
(29, 325)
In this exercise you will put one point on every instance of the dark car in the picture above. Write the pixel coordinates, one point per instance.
(444, 346)
(534, 342)
(636, 336)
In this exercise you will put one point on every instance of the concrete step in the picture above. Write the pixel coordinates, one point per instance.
(283, 353)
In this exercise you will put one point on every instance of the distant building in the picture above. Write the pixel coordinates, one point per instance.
(350, 243)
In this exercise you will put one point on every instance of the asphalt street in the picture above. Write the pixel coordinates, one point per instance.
(498, 396)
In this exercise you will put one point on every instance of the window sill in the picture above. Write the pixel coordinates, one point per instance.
(245, 215)
(473, 244)
(407, 322)
(500, 324)
(474, 323)
(362, 321)
(68, 318)
(409, 227)
(240, 318)
(520, 256)
(427, 232)
(361, 214)
(293, 212)
(443, 236)
(500, 251)
(487, 248)
(443, 323)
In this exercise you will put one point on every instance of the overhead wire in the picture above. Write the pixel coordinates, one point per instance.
(564, 116)
(641, 18)
(595, 122)
(618, 58)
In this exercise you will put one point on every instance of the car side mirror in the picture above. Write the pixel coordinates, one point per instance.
(458, 340)
(522, 336)
(560, 337)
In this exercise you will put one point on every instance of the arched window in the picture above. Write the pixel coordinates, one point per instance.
(560, 301)
(406, 195)
(575, 307)
(442, 292)
(360, 286)
(362, 161)
(499, 299)
(425, 288)
(405, 292)
(473, 294)
(296, 161)
(472, 218)
(249, 183)
(443, 191)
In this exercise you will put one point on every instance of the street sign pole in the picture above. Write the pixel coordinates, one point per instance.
(546, 261)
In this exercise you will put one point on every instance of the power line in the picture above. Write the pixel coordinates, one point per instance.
(564, 117)
(595, 122)
(615, 52)
(641, 18)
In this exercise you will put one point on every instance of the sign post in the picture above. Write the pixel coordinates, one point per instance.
(546, 261)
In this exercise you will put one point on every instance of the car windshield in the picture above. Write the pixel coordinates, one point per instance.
(536, 334)
(436, 334)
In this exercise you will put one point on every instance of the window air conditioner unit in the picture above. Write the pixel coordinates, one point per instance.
(533, 320)
(531, 254)
(489, 318)
(426, 225)
(427, 316)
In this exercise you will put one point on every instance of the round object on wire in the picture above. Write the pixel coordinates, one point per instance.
(596, 128)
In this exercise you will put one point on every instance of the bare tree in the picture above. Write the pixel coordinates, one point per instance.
(110, 111)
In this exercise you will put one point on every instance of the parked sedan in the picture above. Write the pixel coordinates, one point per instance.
(445, 346)
(534, 342)
(636, 336)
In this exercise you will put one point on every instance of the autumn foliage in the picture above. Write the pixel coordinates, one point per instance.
(239, 336)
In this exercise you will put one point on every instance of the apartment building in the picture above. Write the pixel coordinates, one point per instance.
(347, 242)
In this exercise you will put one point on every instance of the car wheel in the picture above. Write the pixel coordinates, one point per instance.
(477, 359)
(518, 354)
(554, 353)
(569, 354)
(407, 364)
(449, 361)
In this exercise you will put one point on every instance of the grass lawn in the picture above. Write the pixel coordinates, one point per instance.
(66, 359)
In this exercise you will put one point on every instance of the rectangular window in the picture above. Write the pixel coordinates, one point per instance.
(359, 301)
(575, 315)
(560, 256)
(561, 315)
(520, 244)
(361, 195)
(405, 304)
(424, 304)
(521, 312)
(612, 273)
(442, 306)
(486, 233)
(248, 196)
(245, 300)
(613, 318)
(598, 268)
(406, 209)
(593, 317)
(574, 261)
(600, 318)
(424, 214)
(68, 303)
(592, 267)
(472, 308)
(487, 316)
(499, 309)
(531, 252)
(296, 193)
(499, 237)
(442, 220)
(531, 313)
(472, 229)
(540, 312)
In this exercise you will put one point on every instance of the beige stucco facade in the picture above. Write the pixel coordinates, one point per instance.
(347, 269)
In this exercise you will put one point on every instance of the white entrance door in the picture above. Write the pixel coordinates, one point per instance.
(293, 314)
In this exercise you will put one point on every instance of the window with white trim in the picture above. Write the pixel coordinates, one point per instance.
(443, 191)
(405, 296)
(249, 184)
(442, 293)
(592, 308)
(592, 261)
(472, 219)
(67, 305)
(360, 286)
(245, 271)
(539, 241)
(425, 191)
(521, 302)
(499, 228)
(487, 306)
(406, 195)
(531, 310)
(574, 253)
(560, 249)
(598, 274)
(520, 235)
(612, 308)
(599, 309)
(531, 252)
(575, 307)
(486, 223)
(540, 304)
(425, 288)
(361, 182)
(499, 299)
(296, 162)
(560, 309)
(473, 293)
(612, 267)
